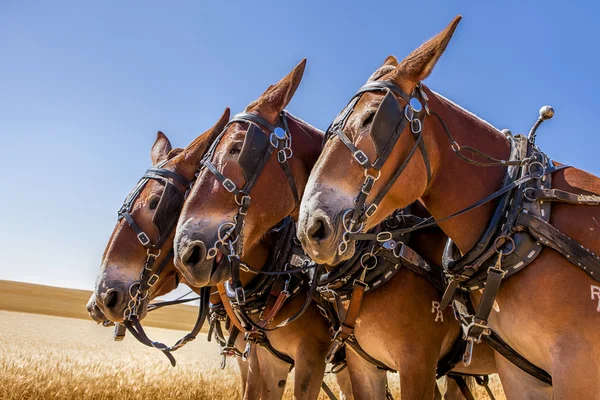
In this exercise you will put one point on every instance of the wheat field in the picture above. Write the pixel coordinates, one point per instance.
(57, 357)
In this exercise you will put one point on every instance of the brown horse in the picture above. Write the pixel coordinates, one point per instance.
(124, 258)
(545, 312)
(211, 205)
(417, 336)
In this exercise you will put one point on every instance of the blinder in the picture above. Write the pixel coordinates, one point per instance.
(256, 144)
(167, 210)
(385, 124)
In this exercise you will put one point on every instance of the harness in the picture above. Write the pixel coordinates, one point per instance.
(164, 220)
(516, 233)
(267, 293)
(387, 127)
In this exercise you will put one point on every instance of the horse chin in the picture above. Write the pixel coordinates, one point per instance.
(220, 271)
(95, 313)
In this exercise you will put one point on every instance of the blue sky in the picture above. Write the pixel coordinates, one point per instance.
(85, 85)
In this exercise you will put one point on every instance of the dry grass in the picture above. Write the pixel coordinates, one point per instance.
(50, 300)
(47, 356)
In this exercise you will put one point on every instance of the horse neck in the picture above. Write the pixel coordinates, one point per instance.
(307, 144)
(457, 184)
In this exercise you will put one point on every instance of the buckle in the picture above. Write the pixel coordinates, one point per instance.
(361, 157)
(240, 296)
(229, 185)
(152, 280)
(383, 237)
(371, 210)
(143, 238)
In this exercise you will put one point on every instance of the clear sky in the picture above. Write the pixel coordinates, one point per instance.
(85, 85)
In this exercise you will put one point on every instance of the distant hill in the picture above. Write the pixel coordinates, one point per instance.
(50, 300)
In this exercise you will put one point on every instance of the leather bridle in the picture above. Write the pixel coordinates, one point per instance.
(257, 146)
(165, 219)
(388, 124)
(262, 140)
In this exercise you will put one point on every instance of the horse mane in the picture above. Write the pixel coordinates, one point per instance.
(451, 103)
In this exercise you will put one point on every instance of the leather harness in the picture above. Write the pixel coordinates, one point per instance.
(516, 233)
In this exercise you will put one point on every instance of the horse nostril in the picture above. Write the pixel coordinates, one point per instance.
(111, 298)
(319, 230)
(195, 254)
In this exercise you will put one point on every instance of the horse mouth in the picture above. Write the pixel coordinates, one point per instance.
(220, 271)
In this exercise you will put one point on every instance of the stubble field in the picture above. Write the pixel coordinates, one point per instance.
(55, 357)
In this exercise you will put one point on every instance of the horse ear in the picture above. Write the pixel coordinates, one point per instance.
(419, 64)
(279, 95)
(390, 60)
(388, 66)
(160, 149)
(193, 153)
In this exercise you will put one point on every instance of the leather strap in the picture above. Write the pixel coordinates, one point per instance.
(566, 197)
(225, 300)
(574, 252)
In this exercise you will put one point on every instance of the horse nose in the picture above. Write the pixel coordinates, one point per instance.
(194, 254)
(113, 302)
(319, 230)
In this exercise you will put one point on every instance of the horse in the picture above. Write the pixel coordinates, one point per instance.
(491, 193)
(210, 215)
(126, 254)
(212, 205)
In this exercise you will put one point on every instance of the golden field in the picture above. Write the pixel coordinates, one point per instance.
(51, 356)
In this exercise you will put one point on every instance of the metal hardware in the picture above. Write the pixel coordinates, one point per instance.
(361, 157)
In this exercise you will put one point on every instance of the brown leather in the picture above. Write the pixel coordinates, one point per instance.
(567, 197)
(234, 319)
(269, 314)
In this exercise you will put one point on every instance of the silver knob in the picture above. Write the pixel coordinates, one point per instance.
(546, 112)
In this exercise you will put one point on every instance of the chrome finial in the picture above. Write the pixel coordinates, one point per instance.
(546, 113)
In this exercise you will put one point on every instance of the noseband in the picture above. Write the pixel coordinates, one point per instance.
(257, 146)
(387, 126)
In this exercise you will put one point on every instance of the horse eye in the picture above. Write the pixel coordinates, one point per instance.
(234, 150)
(153, 203)
(368, 120)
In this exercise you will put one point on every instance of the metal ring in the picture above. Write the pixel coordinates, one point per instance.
(526, 196)
(508, 240)
(542, 171)
(455, 146)
(343, 246)
(364, 260)
(346, 228)
(374, 177)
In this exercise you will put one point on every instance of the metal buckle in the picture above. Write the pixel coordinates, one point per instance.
(384, 237)
(416, 126)
(229, 185)
(143, 238)
(152, 280)
(240, 296)
(281, 156)
(371, 210)
(361, 157)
